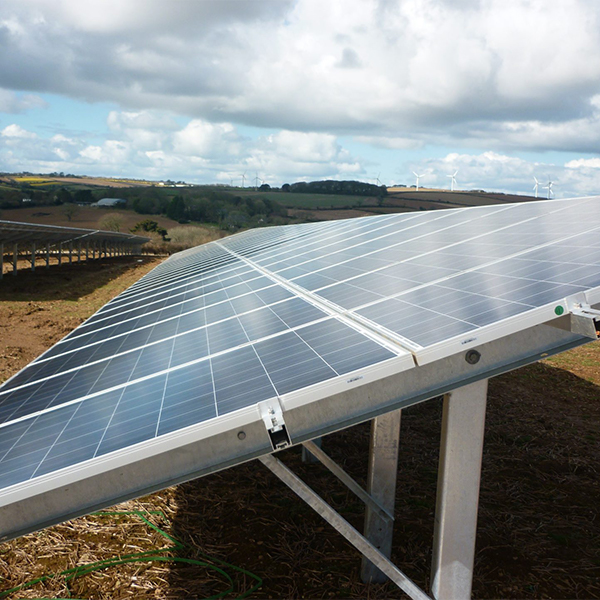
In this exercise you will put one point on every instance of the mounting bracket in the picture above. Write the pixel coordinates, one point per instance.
(272, 415)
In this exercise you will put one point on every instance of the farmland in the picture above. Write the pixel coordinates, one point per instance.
(85, 217)
(39, 180)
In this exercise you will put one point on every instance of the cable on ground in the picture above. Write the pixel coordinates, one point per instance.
(148, 556)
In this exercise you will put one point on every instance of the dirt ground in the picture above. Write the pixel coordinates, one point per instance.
(539, 518)
(86, 217)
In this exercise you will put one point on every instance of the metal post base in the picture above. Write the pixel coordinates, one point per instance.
(457, 501)
(342, 526)
(381, 485)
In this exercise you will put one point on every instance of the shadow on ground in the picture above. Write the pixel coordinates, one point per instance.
(67, 281)
(538, 528)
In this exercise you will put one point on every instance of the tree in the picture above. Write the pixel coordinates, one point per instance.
(150, 225)
(84, 197)
(63, 196)
(176, 209)
(70, 210)
(111, 222)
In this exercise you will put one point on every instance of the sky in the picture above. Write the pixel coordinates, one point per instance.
(228, 91)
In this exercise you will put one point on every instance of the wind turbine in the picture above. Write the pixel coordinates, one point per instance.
(378, 180)
(536, 186)
(419, 177)
(549, 187)
(256, 180)
(244, 179)
(452, 180)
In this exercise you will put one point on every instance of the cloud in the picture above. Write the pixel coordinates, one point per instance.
(14, 131)
(202, 139)
(390, 143)
(522, 73)
(592, 163)
(150, 144)
(12, 103)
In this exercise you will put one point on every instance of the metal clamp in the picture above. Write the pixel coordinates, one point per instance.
(585, 310)
(272, 416)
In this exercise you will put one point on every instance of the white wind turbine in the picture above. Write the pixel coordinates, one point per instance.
(244, 179)
(256, 180)
(536, 186)
(378, 180)
(549, 188)
(452, 180)
(418, 177)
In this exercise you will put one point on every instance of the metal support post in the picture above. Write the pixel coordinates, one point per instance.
(381, 485)
(15, 257)
(1, 260)
(47, 255)
(70, 253)
(60, 253)
(79, 251)
(461, 447)
(342, 526)
(33, 256)
(307, 456)
(330, 464)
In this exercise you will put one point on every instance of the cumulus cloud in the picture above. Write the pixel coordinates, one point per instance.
(185, 78)
(147, 144)
(593, 163)
(523, 72)
(203, 139)
(14, 131)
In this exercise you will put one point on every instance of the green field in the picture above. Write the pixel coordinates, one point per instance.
(313, 201)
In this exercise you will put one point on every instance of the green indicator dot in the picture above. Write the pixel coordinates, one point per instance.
(559, 310)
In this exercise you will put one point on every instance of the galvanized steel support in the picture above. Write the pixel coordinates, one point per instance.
(461, 447)
(70, 253)
(319, 456)
(307, 456)
(15, 257)
(1, 260)
(33, 256)
(60, 249)
(79, 251)
(381, 485)
(363, 545)
(47, 255)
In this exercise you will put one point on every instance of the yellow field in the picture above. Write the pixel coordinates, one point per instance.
(133, 181)
(33, 180)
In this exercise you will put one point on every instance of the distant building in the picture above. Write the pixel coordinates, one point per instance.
(110, 202)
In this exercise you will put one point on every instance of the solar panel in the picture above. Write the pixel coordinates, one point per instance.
(286, 315)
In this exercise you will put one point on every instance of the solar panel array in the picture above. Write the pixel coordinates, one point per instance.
(280, 310)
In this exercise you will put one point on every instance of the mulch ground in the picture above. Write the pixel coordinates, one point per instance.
(539, 516)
